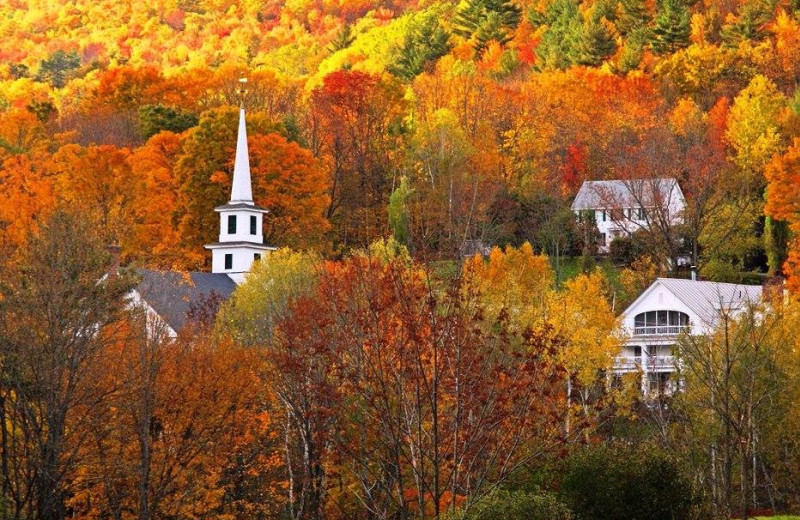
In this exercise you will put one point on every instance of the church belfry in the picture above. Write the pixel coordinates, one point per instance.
(241, 231)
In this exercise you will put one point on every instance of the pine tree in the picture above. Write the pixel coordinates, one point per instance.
(343, 39)
(632, 53)
(422, 45)
(485, 20)
(750, 24)
(560, 46)
(672, 27)
(55, 70)
(597, 42)
(633, 14)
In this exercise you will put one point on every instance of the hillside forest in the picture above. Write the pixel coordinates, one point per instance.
(374, 368)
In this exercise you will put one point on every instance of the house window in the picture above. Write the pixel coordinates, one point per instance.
(231, 224)
(256, 256)
(228, 261)
(604, 215)
(639, 213)
(660, 322)
(253, 224)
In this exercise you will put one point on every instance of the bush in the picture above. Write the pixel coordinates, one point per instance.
(626, 483)
(518, 505)
(156, 118)
(625, 249)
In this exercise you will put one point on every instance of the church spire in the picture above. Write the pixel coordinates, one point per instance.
(242, 190)
(241, 222)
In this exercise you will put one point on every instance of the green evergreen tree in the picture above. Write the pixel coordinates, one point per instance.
(750, 23)
(634, 48)
(776, 240)
(18, 70)
(485, 20)
(56, 68)
(155, 118)
(597, 42)
(672, 27)
(560, 47)
(605, 9)
(422, 45)
(633, 14)
(43, 110)
(342, 40)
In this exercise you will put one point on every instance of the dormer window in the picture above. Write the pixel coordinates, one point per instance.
(661, 322)
(231, 224)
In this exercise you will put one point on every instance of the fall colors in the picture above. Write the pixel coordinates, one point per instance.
(373, 367)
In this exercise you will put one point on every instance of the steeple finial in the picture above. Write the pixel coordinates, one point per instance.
(242, 91)
(242, 190)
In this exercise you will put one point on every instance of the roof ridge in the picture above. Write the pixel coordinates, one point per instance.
(707, 281)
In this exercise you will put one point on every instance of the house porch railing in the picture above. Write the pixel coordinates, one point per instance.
(660, 329)
(645, 363)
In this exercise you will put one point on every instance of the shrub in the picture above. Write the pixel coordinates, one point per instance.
(623, 250)
(626, 483)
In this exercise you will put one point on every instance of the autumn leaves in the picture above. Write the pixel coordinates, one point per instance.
(407, 393)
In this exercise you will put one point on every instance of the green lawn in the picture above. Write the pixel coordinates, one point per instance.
(570, 267)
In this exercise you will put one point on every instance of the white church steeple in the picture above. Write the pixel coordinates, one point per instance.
(241, 230)
(242, 190)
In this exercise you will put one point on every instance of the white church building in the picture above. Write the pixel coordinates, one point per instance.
(668, 308)
(172, 298)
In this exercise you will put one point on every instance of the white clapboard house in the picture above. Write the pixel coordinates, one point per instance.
(622, 207)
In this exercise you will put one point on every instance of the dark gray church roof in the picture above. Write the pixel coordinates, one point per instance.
(174, 295)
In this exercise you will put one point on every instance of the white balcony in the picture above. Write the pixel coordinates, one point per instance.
(624, 364)
(660, 330)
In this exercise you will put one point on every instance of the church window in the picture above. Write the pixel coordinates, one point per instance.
(253, 224)
(231, 224)
(229, 261)
(256, 256)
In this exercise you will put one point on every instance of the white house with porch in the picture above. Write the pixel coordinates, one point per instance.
(668, 308)
(621, 207)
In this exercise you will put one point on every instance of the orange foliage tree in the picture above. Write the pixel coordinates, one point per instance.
(357, 126)
(783, 178)
(154, 235)
(289, 181)
(185, 432)
(406, 401)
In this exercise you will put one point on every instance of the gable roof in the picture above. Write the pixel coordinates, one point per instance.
(625, 193)
(706, 299)
(173, 295)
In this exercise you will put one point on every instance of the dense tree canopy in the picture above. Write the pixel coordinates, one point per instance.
(379, 366)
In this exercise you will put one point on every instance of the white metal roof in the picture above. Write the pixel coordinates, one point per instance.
(626, 193)
(707, 299)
